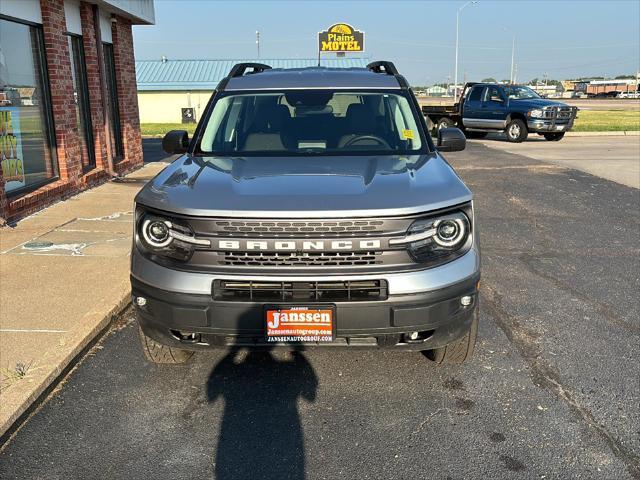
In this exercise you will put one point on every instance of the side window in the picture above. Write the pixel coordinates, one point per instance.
(492, 94)
(475, 94)
(405, 125)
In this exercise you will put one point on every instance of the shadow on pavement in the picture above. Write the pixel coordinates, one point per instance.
(261, 433)
(152, 151)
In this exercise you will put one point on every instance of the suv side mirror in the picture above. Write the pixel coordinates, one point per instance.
(175, 141)
(451, 140)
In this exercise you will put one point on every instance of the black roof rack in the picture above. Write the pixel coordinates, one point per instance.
(388, 68)
(383, 67)
(239, 69)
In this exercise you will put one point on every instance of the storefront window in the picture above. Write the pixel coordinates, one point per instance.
(26, 137)
(81, 101)
(117, 150)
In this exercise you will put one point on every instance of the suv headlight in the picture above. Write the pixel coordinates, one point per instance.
(438, 239)
(537, 113)
(158, 235)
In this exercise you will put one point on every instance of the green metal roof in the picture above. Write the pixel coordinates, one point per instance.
(158, 75)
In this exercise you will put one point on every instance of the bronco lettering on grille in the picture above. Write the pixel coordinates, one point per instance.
(297, 245)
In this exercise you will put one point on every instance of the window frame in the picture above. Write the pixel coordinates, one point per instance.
(85, 109)
(114, 105)
(47, 111)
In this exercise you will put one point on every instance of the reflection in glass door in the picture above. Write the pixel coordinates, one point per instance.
(117, 148)
(81, 100)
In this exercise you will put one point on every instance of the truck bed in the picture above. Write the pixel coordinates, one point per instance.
(440, 109)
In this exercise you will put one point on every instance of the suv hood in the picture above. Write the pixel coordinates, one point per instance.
(538, 103)
(304, 187)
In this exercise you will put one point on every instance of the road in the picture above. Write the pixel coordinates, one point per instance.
(552, 391)
(611, 157)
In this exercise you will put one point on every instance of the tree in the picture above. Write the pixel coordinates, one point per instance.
(489, 80)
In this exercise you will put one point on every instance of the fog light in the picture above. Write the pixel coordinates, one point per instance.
(413, 336)
(141, 301)
(466, 300)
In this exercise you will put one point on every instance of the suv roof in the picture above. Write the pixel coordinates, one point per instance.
(377, 75)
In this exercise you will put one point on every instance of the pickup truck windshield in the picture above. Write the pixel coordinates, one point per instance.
(521, 93)
(312, 122)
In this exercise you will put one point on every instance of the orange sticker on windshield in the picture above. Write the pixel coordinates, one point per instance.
(407, 134)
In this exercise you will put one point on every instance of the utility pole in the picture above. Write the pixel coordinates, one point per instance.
(258, 42)
(455, 76)
(513, 56)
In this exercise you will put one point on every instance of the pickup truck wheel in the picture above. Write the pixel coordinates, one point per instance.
(554, 137)
(445, 122)
(159, 353)
(457, 352)
(516, 131)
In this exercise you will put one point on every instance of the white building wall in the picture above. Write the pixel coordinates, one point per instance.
(166, 107)
(142, 10)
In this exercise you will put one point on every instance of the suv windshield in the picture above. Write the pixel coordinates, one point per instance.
(521, 93)
(312, 122)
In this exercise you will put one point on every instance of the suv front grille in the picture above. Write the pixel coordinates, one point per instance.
(284, 228)
(338, 291)
(301, 259)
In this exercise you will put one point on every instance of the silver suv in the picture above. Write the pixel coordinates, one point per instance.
(310, 208)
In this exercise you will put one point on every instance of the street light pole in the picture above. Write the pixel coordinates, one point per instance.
(455, 76)
(513, 54)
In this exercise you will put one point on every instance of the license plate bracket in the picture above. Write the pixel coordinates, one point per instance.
(294, 324)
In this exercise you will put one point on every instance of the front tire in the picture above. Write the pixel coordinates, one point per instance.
(156, 352)
(516, 131)
(554, 137)
(445, 122)
(458, 352)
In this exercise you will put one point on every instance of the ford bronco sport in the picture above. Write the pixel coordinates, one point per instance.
(310, 208)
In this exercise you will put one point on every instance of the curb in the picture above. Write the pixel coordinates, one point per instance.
(613, 133)
(31, 404)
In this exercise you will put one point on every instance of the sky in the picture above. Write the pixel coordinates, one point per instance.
(562, 39)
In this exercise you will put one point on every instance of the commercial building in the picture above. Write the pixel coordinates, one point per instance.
(613, 87)
(177, 91)
(68, 103)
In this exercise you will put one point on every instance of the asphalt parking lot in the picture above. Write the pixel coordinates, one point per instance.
(552, 391)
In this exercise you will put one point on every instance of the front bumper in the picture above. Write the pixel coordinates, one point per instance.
(555, 120)
(549, 126)
(426, 301)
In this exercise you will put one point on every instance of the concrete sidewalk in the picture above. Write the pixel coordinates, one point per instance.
(64, 272)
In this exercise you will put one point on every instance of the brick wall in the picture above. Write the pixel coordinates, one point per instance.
(127, 94)
(92, 56)
(61, 88)
(68, 145)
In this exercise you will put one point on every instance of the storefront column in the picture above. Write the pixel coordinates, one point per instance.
(61, 85)
(95, 83)
(127, 93)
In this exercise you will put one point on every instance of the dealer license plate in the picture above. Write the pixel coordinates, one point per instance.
(293, 324)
